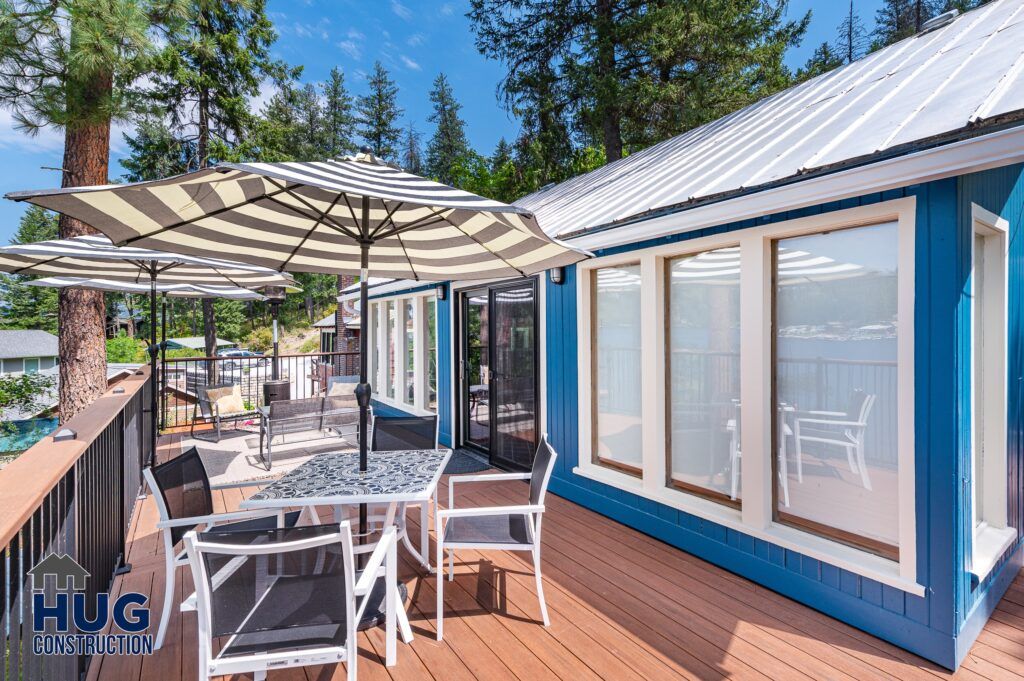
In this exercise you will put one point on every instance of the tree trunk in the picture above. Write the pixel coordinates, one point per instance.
(81, 314)
(344, 340)
(608, 91)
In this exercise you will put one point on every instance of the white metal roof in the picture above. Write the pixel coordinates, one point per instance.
(932, 88)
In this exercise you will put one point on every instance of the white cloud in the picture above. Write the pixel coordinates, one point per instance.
(354, 34)
(401, 10)
(410, 64)
(305, 30)
(350, 48)
(415, 40)
(447, 9)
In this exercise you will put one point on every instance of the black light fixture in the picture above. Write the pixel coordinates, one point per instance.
(275, 296)
(441, 291)
(557, 275)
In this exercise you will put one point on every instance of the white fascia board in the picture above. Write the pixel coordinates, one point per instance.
(960, 158)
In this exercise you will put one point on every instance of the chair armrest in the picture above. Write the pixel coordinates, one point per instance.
(215, 518)
(526, 509)
(244, 483)
(818, 412)
(376, 562)
(480, 478)
(832, 422)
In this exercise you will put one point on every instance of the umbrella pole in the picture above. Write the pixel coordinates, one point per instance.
(163, 354)
(363, 389)
(152, 363)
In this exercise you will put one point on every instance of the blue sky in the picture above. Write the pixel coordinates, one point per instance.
(415, 39)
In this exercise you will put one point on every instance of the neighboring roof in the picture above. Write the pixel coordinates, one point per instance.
(329, 323)
(27, 343)
(371, 282)
(194, 342)
(48, 400)
(928, 90)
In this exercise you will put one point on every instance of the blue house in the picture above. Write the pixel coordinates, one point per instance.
(796, 352)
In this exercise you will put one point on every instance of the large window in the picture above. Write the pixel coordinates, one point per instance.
(404, 351)
(617, 367)
(988, 283)
(703, 308)
(763, 379)
(836, 327)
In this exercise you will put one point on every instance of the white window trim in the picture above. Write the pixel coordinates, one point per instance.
(421, 390)
(755, 516)
(992, 536)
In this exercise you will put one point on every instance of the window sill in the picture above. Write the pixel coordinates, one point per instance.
(989, 545)
(391, 402)
(840, 555)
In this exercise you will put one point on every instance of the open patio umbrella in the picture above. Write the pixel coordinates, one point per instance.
(173, 290)
(95, 257)
(351, 216)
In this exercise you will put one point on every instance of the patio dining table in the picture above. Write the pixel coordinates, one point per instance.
(392, 478)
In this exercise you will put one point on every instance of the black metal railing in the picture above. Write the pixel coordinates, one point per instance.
(75, 498)
(181, 379)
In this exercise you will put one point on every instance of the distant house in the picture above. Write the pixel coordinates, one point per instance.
(328, 331)
(27, 351)
(196, 343)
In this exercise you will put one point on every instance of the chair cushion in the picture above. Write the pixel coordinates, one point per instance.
(339, 389)
(267, 523)
(487, 529)
(231, 403)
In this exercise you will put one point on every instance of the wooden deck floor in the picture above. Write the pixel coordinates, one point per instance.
(623, 606)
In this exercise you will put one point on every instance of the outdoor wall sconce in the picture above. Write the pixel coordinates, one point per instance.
(557, 275)
(442, 292)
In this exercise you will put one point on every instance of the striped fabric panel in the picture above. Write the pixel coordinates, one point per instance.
(173, 290)
(307, 217)
(95, 257)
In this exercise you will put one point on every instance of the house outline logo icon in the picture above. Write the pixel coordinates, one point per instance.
(67, 573)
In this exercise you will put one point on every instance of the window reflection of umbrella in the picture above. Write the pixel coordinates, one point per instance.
(351, 216)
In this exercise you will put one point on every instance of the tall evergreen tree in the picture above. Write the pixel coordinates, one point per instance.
(339, 118)
(412, 155)
(899, 19)
(23, 306)
(824, 59)
(448, 146)
(71, 64)
(211, 67)
(852, 40)
(378, 114)
(155, 152)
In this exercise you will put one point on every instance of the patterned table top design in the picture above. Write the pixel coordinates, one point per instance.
(334, 478)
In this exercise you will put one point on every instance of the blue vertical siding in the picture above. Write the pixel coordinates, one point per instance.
(445, 373)
(1000, 191)
(925, 625)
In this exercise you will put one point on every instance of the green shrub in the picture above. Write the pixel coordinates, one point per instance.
(311, 344)
(260, 340)
(122, 349)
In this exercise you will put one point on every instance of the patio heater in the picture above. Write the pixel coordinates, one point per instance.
(275, 296)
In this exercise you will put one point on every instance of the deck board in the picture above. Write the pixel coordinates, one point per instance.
(623, 606)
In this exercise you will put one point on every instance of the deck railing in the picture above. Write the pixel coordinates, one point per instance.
(71, 497)
(307, 374)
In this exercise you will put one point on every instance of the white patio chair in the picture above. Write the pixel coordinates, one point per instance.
(288, 597)
(184, 500)
(844, 429)
(495, 528)
(733, 426)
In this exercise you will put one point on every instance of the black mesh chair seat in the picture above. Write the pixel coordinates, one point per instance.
(391, 433)
(185, 489)
(267, 523)
(487, 529)
(295, 416)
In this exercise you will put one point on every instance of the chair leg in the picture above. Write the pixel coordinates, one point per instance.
(863, 468)
(390, 604)
(165, 615)
(425, 533)
(352, 652)
(851, 459)
(440, 586)
(540, 585)
(451, 565)
(799, 453)
(260, 675)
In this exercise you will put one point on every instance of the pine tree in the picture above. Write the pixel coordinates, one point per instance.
(448, 145)
(154, 152)
(824, 59)
(851, 42)
(378, 114)
(339, 119)
(23, 306)
(312, 141)
(73, 65)
(412, 155)
(210, 68)
(899, 19)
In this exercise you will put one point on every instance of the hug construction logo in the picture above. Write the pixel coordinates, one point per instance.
(61, 619)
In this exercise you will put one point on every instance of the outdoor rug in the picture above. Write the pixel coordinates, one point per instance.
(464, 461)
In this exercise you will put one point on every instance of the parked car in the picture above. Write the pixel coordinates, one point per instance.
(237, 357)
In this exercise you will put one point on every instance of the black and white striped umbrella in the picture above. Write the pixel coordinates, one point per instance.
(95, 257)
(172, 290)
(312, 217)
